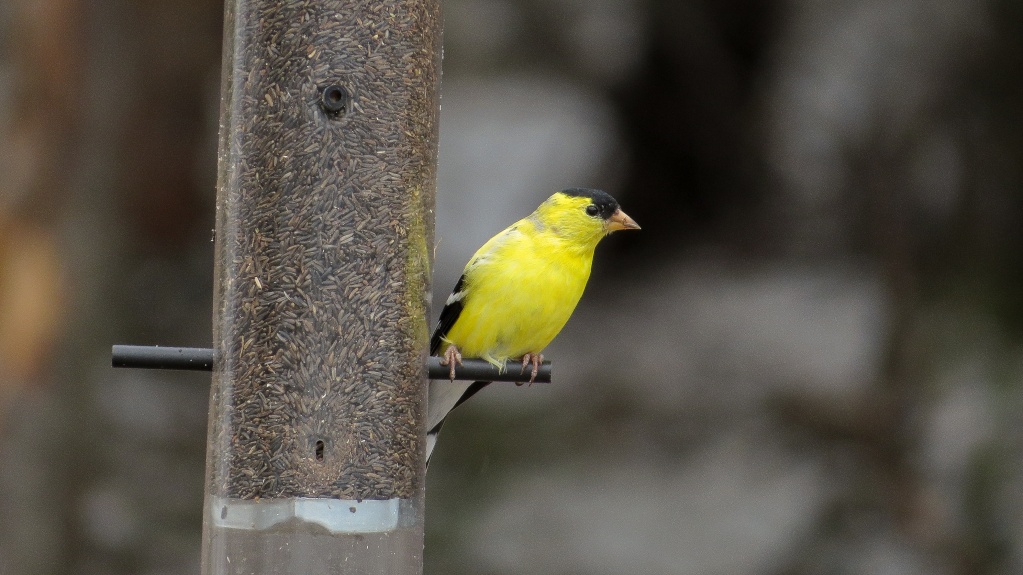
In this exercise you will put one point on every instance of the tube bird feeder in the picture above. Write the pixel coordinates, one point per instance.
(325, 197)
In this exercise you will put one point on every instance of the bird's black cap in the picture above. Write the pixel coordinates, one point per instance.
(603, 200)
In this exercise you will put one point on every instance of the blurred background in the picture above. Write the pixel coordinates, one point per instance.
(808, 361)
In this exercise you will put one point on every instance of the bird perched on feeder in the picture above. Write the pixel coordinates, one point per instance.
(518, 291)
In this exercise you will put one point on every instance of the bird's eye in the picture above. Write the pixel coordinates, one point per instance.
(591, 210)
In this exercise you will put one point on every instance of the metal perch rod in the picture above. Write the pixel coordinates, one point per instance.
(201, 359)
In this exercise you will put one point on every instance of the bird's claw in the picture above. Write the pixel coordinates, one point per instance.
(535, 359)
(451, 357)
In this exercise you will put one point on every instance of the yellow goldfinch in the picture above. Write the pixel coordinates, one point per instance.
(518, 291)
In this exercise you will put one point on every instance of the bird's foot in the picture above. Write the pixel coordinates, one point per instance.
(535, 359)
(451, 357)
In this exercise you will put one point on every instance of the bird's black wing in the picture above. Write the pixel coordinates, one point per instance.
(448, 315)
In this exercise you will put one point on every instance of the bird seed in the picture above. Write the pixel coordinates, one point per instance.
(324, 215)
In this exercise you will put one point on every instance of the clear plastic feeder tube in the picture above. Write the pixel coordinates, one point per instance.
(324, 225)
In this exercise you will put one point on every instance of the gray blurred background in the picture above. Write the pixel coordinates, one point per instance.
(808, 361)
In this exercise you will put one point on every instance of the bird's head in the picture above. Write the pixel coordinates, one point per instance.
(583, 215)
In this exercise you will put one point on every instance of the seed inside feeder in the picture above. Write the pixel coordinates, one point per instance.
(324, 218)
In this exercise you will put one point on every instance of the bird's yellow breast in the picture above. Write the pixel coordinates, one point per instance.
(524, 285)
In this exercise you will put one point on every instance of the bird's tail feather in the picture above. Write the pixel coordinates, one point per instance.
(431, 434)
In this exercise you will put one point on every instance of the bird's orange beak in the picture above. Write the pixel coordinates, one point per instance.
(620, 221)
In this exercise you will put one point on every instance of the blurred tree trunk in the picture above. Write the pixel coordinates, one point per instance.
(106, 194)
(689, 123)
(39, 119)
